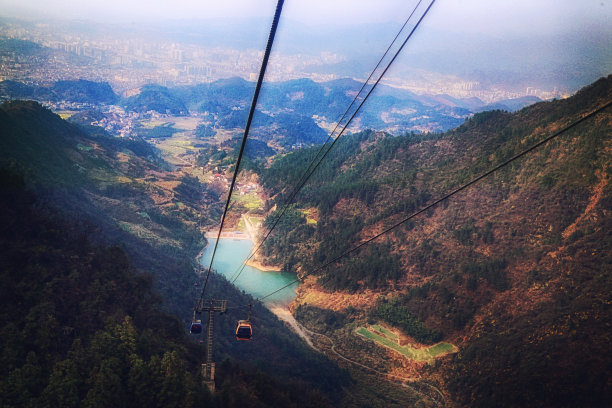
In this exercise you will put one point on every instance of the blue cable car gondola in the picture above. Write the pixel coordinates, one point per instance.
(195, 327)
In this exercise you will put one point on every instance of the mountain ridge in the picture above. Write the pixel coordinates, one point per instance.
(471, 266)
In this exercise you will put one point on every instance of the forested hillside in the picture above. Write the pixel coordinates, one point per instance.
(119, 184)
(515, 270)
(93, 227)
(302, 100)
(80, 91)
(81, 328)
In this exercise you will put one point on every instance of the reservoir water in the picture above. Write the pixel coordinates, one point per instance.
(229, 257)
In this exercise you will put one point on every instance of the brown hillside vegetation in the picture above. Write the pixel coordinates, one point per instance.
(514, 270)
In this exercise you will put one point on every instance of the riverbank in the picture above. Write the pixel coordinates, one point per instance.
(227, 234)
(262, 267)
(283, 313)
(255, 279)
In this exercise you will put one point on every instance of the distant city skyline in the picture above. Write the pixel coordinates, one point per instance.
(462, 47)
(499, 17)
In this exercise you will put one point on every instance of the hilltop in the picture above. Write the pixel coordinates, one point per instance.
(514, 271)
(291, 114)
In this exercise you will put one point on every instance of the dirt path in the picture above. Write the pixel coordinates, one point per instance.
(402, 380)
(593, 201)
(283, 313)
(251, 229)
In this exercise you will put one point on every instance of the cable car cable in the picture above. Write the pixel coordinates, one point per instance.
(308, 174)
(298, 185)
(452, 193)
(277, 13)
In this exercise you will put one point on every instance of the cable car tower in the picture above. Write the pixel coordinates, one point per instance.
(244, 330)
(211, 306)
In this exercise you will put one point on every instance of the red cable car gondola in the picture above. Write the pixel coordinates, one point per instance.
(244, 330)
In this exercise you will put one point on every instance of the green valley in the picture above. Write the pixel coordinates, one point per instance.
(163, 243)
(96, 232)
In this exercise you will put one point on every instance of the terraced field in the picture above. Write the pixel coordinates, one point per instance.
(387, 338)
(251, 201)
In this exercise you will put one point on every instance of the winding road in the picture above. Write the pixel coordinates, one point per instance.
(306, 334)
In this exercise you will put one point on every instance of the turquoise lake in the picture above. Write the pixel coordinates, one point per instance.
(229, 257)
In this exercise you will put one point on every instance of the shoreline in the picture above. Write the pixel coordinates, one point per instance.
(262, 267)
(279, 309)
(229, 235)
(284, 314)
(238, 235)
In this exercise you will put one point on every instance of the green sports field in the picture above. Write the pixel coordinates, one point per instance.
(389, 339)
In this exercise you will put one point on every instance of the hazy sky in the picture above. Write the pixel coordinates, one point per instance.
(547, 42)
(496, 17)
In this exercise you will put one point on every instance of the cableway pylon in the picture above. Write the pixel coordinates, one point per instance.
(208, 368)
(244, 330)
